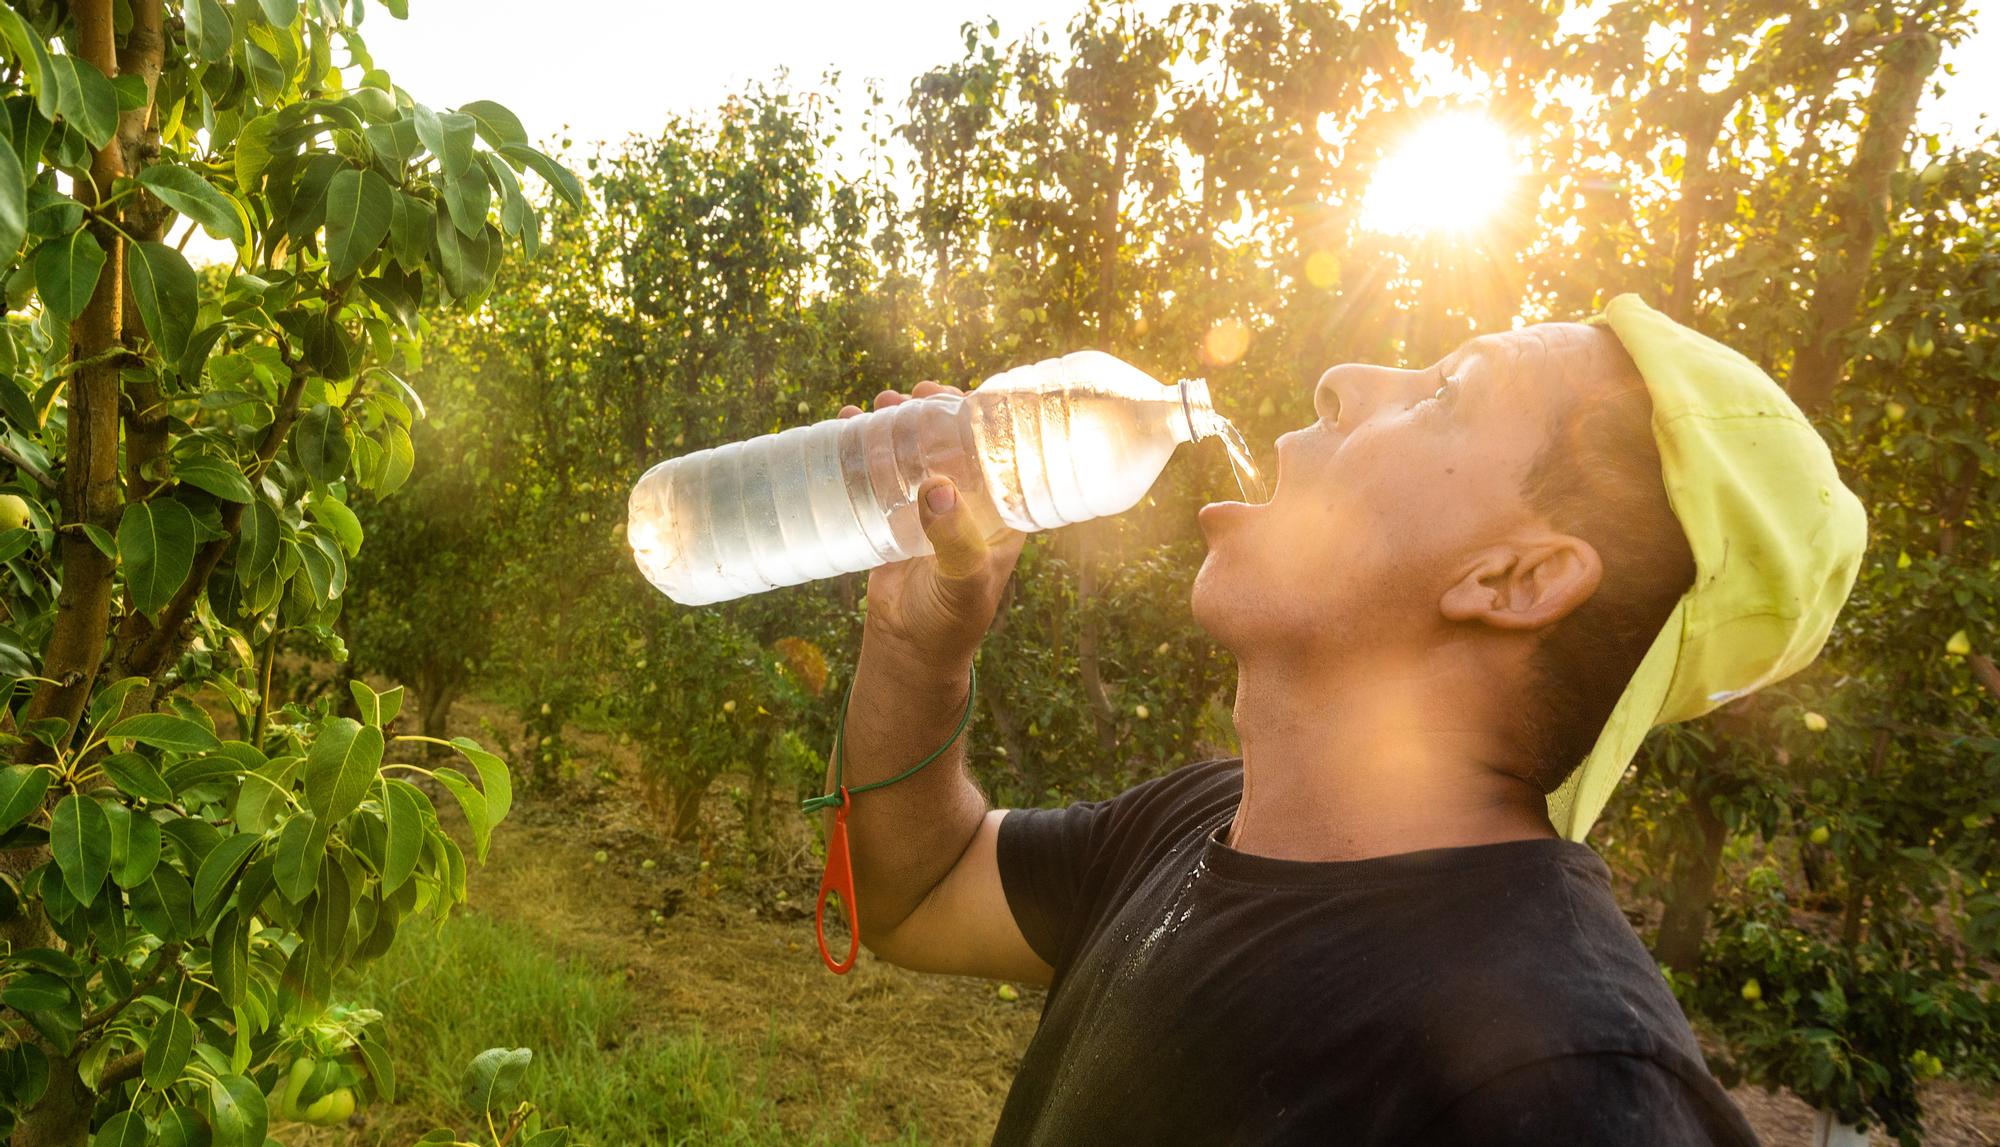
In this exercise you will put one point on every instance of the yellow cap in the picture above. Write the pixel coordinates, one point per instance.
(1777, 541)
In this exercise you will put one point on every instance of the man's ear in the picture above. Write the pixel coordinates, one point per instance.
(1525, 585)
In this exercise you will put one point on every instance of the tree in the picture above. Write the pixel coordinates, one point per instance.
(187, 452)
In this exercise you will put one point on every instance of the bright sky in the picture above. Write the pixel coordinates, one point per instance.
(611, 67)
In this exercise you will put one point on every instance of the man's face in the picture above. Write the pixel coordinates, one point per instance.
(1386, 501)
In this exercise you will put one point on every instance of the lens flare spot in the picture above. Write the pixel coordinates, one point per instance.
(1225, 343)
(1322, 269)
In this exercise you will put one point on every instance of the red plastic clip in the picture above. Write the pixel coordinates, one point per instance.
(838, 878)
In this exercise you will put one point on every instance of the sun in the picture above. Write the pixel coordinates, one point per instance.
(1449, 175)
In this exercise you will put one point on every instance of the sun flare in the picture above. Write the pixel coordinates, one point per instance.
(1450, 175)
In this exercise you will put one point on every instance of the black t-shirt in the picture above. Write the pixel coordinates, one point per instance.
(1491, 995)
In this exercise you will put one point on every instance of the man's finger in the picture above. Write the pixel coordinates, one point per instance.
(960, 545)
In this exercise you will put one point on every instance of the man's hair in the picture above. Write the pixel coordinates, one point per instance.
(1599, 479)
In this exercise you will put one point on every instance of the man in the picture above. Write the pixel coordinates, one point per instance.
(1474, 589)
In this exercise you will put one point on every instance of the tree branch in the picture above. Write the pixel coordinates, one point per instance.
(143, 648)
(8, 453)
(110, 1011)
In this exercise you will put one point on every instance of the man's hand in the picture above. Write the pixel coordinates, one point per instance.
(936, 610)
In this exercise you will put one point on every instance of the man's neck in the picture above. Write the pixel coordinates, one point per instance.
(1346, 766)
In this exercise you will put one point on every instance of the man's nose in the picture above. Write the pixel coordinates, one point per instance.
(1349, 394)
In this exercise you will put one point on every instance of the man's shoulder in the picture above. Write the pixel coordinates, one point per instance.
(1553, 968)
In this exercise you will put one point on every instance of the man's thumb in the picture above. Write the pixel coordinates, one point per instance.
(960, 546)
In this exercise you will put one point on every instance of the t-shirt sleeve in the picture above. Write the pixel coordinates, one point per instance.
(1058, 865)
(1592, 1100)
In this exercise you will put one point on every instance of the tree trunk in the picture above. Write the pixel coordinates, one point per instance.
(1838, 289)
(1691, 890)
(75, 649)
(61, 1117)
(1703, 123)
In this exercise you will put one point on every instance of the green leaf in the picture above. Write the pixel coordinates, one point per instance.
(237, 1115)
(301, 844)
(405, 819)
(410, 231)
(467, 199)
(280, 12)
(21, 790)
(341, 767)
(136, 775)
(88, 101)
(66, 270)
(156, 545)
(497, 126)
(142, 851)
(163, 287)
(37, 66)
(253, 150)
(468, 261)
(168, 1049)
(395, 140)
(80, 841)
(219, 867)
(257, 543)
(367, 701)
(399, 458)
(162, 902)
(125, 1129)
(188, 193)
(515, 216)
(558, 177)
(166, 731)
(381, 1066)
(131, 89)
(262, 795)
(339, 521)
(102, 539)
(13, 205)
(493, 1080)
(494, 780)
(477, 816)
(34, 992)
(359, 206)
(208, 31)
(218, 476)
(392, 704)
(321, 442)
(447, 136)
(229, 956)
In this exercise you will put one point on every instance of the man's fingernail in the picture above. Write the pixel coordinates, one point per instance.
(941, 499)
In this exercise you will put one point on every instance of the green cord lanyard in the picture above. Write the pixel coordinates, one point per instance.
(839, 874)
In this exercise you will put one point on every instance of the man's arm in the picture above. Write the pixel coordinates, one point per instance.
(926, 870)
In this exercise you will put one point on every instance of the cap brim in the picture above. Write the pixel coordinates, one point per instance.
(1574, 806)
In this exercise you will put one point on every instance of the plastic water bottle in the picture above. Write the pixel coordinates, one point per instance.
(1032, 448)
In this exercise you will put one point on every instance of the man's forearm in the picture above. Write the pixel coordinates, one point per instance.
(907, 836)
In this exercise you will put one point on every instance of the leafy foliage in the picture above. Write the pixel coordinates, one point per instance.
(186, 453)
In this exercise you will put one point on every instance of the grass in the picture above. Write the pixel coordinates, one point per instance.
(448, 994)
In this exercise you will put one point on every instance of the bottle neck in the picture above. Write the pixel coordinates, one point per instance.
(1197, 420)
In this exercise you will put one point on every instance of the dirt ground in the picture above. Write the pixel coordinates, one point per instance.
(733, 955)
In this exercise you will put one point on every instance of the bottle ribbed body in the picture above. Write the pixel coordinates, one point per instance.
(1034, 448)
